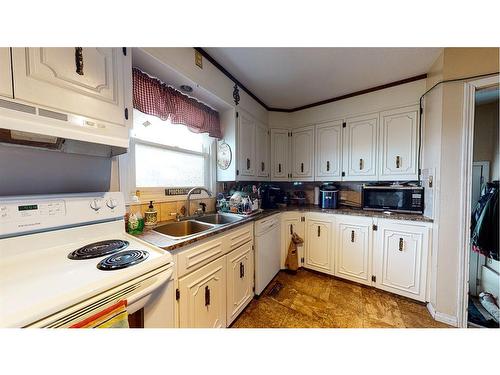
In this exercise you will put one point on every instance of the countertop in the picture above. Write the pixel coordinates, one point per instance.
(166, 243)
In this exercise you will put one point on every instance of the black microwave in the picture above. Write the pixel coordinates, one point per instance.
(397, 198)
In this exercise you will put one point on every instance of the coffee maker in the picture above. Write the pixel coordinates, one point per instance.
(271, 196)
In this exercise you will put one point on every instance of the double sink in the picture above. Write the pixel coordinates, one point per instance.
(189, 227)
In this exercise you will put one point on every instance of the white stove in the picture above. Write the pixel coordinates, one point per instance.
(51, 274)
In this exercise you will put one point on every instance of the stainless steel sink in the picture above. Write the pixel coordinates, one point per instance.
(218, 219)
(181, 229)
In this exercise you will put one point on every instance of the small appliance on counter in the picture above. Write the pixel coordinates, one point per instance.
(328, 196)
(271, 196)
(403, 198)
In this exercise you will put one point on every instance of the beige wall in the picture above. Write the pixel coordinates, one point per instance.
(443, 120)
(486, 132)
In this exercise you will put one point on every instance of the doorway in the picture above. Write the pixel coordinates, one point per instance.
(481, 302)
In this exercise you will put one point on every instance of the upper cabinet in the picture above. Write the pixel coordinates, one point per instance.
(360, 148)
(398, 144)
(246, 145)
(83, 81)
(280, 141)
(5, 73)
(262, 151)
(303, 154)
(329, 151)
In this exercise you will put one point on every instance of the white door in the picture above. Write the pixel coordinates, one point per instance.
(329, 151)
(353, 251)
(262, 153)
(240, 276)
(303, 154)
(400, 259)
(88, 83)
(246, 145)
(398, 144)
(318, 246)
(360, 148)
(280, 142)
(292, 224)
(5, 73)
(202, 301)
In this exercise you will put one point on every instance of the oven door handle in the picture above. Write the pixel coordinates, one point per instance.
(162, 278)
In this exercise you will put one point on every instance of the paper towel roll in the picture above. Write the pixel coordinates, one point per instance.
(316, 195)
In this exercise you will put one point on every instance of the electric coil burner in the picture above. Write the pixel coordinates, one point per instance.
(98, 249)
(123, 259)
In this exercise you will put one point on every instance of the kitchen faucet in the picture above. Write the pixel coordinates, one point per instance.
(188, 201)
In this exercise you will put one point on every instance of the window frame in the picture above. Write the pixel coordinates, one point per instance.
(127, 172)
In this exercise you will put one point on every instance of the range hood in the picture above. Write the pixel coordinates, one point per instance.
(28, 125)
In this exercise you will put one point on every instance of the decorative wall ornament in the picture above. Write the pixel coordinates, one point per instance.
(224, 155)
(79, 60)
(236, 94)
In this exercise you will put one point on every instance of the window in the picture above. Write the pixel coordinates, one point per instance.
(164, 155)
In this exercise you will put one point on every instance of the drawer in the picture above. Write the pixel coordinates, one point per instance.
(199, 255)
(239, 237)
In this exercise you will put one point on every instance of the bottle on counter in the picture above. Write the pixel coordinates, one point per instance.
(135, 223)
(151, 215)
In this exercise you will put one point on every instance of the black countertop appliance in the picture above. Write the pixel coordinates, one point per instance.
(271, 196)
(328, 196)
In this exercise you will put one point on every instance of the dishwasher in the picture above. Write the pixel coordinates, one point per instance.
(267, 251)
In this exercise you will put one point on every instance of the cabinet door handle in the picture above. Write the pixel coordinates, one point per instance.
(319, 231)
(302, 167)
(207, 296)
(279, 167)
(352, 236)
(398, 161)
(328, 166)
(242, 270)
(262, 166)
(248, 163)
(360, 164)
(291, 228)
(79, 60)
(401, 244)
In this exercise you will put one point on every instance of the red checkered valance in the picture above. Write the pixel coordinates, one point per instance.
(153, 97)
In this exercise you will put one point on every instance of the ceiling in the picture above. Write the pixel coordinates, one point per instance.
(293, 77)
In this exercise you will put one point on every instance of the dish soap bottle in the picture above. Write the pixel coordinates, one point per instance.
(135, 223)
(151, 215)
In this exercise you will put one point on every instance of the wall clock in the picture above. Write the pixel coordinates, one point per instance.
(224, 155)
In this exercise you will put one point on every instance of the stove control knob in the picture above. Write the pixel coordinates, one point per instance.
(112, 203)
(96, 204)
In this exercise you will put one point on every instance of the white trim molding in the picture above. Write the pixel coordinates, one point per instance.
(441, 317)
(466, 193)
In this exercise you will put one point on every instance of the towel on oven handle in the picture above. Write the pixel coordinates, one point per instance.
(114, 316)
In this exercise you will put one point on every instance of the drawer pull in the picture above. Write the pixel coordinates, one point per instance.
(302, 167)
(248, 163)
(319, 231)
(207, 296)
(279, 167)
(328, 166)
(291, 228)
(262, 166)
(242, 270)
(352, 236)
(401, 244)
(398, 161)
(360, 164)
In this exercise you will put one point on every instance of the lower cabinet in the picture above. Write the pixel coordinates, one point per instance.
(240, 280)
(353, 249)
(319, 243)
(400, 258)
(203, 297)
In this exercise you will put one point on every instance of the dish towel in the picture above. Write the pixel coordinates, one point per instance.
(114, 316)
(292, 258)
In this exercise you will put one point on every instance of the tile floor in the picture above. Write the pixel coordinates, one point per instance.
(312, 300)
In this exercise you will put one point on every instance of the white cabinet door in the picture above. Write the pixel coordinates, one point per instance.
(292, 223)
(246, 145)
(400, 258)
(360, 148)
(5, 73)
(202, 301)
(318, 246)
(262, 151)
(329, 151)
(92, 85)
(398, 144)
(280, 141)
(240, 278)
(303, 154)
(353, 250)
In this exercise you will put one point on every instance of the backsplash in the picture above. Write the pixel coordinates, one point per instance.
(167, 210)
